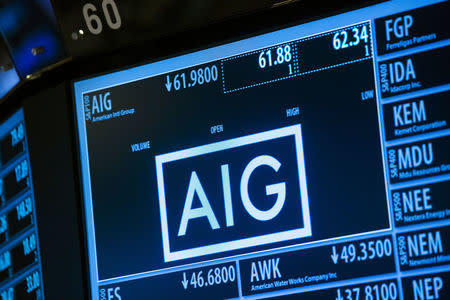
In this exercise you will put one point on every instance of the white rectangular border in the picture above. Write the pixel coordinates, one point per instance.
(306, 231)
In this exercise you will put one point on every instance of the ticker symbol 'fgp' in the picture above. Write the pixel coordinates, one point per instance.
(244, 192)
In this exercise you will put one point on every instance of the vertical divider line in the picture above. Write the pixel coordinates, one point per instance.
(238, 277)
(383, 153)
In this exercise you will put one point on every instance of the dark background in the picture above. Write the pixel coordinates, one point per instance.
(341, 141)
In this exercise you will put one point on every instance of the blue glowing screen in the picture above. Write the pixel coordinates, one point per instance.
(20, 260)
(31, 33)
(8, 73)
(311, 162)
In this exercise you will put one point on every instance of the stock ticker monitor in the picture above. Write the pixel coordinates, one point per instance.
(39, 231)
(311, 162)
(20, 261)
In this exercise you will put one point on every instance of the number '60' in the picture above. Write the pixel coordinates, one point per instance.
(93, 21)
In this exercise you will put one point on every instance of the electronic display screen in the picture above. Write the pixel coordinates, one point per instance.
(20, 261)
(39, 222)
(31, 33)
(9, 78)
(311, 162)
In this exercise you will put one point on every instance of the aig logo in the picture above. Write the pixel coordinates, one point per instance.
(96, 104)
(101, 103)
(239, 193)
